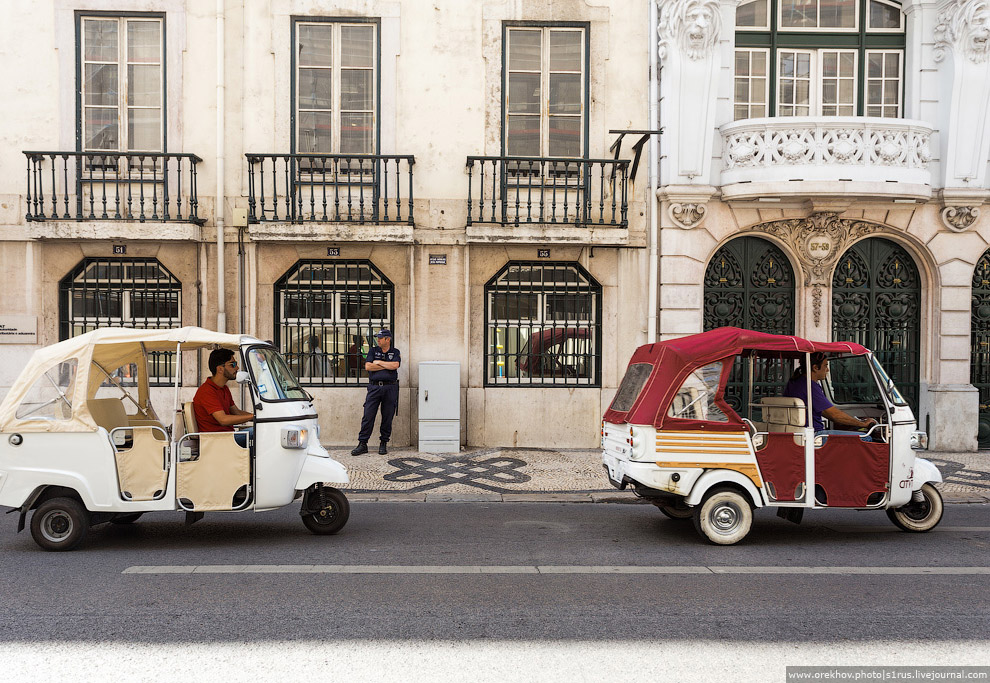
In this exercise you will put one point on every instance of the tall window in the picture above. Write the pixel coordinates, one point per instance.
(546, 91)
(335, 67)
(543, 326)
(122, 83)
(138, 293)
(326, 315)
(818, 58)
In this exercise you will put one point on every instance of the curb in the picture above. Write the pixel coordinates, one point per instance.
(950, 498)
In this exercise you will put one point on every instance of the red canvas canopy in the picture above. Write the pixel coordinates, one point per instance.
(674, 360)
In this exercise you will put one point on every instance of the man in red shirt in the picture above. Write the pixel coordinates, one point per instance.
(213, 405)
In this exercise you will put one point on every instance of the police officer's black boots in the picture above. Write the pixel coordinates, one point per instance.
(383, 448)
(361, 449)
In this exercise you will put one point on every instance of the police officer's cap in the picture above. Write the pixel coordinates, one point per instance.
(385, 332)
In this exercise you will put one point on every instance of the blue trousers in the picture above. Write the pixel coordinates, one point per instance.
(386, 398)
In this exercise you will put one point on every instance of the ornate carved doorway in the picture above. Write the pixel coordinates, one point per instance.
(876, 302)
(750, 283)
(980, 339)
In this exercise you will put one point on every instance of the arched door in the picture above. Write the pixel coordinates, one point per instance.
(750, 284)
(980, 339)
(876, 302)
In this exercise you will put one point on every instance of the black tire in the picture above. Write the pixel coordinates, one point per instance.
(919, 517)
(724, 517)
(678, 510)
(329, 519)
(126, 518)
(60, 524)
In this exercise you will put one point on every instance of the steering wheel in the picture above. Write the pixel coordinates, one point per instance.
(880, 434)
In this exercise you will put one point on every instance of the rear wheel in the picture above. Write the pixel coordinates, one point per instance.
(724, 517)
(678, 510)
(60, 524)
(327, 516)
(922, 516)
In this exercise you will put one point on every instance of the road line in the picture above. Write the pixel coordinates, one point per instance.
(538, 569)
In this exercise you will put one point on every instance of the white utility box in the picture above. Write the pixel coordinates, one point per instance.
(440, 407)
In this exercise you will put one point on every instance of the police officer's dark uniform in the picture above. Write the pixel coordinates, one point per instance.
(383, 391)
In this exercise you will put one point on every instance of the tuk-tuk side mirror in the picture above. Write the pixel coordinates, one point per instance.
(243, 377)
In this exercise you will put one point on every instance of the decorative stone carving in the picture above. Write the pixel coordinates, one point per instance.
(959, 218)
(964, 25)
(819, 240)
(816, 304)
(690, 26)
(686, 215)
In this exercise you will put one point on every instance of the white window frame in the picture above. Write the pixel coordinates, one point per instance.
(884, 80)
(766, 83)
(335, 69)
(122, 62)
(815, 103)
(545, 115)
(818, 28)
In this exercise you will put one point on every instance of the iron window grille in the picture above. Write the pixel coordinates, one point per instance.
(796, 58)
(326, 315)
(126, 292)
(543, 326)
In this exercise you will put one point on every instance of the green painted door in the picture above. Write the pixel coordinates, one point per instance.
(980, 339)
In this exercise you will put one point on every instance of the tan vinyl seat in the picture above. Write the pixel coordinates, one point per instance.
(189, 418)
(108, 413)
(783, 414)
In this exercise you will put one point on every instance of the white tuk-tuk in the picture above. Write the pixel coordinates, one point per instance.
(700, 429)
(81, 443)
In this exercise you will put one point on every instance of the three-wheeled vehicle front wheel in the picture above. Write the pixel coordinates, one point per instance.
(60, 524)
(325, 510)
(724, 516)
(921, 516)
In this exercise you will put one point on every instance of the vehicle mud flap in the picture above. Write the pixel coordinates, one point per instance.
(791, 514)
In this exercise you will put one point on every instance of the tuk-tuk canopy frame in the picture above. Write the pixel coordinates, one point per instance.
(675, 359)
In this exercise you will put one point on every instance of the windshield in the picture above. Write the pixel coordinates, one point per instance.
(888, 384)
(272, 377)
(632, 384)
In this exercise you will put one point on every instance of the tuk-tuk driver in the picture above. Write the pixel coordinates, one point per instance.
(213, 404)
(821, 407)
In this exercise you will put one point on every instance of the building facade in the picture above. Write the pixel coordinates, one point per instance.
(309, 172)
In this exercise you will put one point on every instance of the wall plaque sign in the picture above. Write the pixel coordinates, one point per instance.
(18, 329)
(438, 259)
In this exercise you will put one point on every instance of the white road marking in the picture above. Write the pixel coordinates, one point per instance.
(893, 529)
(536, 569)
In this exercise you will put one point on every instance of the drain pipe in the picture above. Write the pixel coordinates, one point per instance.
(654, 161)
(218, 209)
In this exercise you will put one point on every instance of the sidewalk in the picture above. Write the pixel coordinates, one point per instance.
(545, 475)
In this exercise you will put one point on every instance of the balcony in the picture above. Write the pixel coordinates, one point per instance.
(111, 186)
(329, 194)
(513, 191)
(846, 157)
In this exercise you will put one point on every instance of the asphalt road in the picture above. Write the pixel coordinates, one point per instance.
(87, 613)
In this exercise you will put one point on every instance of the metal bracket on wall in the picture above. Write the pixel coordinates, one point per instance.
(637, 147)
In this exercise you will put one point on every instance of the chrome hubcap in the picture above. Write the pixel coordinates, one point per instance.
(725, 517)
(56, 525)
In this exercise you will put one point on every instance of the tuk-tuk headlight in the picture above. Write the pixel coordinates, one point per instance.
(294, 437)
(919, 441)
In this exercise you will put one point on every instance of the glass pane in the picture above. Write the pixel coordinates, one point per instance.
(890, 93)
(803, 69)
(829, 91)
(802, 94)
(100, 38)
(742, 90)
(314, 133)
(846, 110)
(758, 90)
(787, 64)
(144, 39)
(630, 387)
(787, 93)
(874, 111)
(830, 64)
(838, 14)
(847, 64)
(758, 110)
(101, 128)
(314, 44)
(798, 13)
(884, 16)
(356, 133)
(314, 88)
(144, 130)
(759, 67)
(50, 397)
(565, 93)
(356, 89)
(742, 63)
(524, 93)
(101, 84)
(523, 136)
(846, 93)
(740, 112)
(144, 88)
(695, 400)
(874, 65)
(892, 65)
(565, 136)
(357, 46)
(524, 50)
(752, 14)
(565, 50)
(874, 91)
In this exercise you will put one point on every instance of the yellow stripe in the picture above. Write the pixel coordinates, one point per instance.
(743, 468)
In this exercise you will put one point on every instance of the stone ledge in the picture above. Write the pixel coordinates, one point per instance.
(330, 232)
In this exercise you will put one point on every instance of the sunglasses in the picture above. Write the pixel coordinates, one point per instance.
(231, 363)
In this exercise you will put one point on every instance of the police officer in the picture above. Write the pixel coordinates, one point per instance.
(382, 364)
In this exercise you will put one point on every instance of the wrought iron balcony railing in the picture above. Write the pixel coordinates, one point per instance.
(515, 190)
(112, 186)
(330, 188)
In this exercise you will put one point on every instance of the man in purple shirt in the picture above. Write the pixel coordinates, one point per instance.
(820, 405)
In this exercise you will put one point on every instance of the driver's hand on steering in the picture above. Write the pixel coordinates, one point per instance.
(870, 422)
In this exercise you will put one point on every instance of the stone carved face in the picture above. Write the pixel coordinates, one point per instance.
(976, 32)
(965, 24)
(693, 24)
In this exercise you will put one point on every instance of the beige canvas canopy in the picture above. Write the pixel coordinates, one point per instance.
(96, 355)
